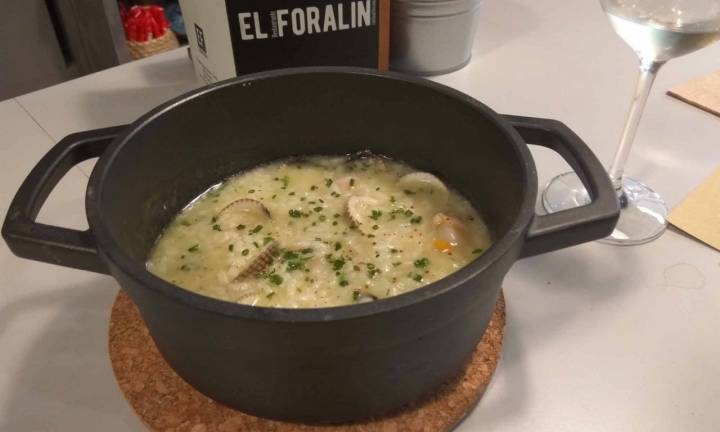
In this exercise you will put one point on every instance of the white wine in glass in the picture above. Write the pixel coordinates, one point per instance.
(657, 30)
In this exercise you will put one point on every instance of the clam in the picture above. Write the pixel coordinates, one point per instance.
(366, 298)
(359, 209)
(346, 184)
(258, 262)
(241, 292)
(245, 211)
(450, 232)
(423, 182)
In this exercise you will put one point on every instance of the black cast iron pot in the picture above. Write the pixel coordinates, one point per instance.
(315, 365)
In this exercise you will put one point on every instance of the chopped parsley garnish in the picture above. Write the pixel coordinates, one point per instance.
(231, 247)
(352, 182)
(328, 182)
(317, 209)
(313, 187)
(335, 223)
(375, 227)
(396, 264)
(417, 277)
(275, 279)
(343, 282)
(272, 293)
(240, 227)
(251, 191)
(416, 220)
(185, 267)
(185, 222)
(372, 270)
(291, 193)
(477, 251)
(338, 246)
(409, 192)
(338, 263)
(216, 227)
(322, 218)
(294, 259)
(267, 240)
(392, 199)
(295, 213)
(408, 213)
(393, 250)
(245, 252)
(422, 262)
(285, 181)
(213, 219)
(256, 230)
(356, 295)
(295, 265)
(375, 215)
(194, 248)
(257, 246)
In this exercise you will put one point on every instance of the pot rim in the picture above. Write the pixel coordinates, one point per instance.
(114, 254)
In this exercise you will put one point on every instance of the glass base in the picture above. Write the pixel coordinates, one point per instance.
(642, 212)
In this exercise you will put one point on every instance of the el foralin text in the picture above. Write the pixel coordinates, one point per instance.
(308, 20)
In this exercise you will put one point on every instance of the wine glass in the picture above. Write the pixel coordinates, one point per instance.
(657, 30)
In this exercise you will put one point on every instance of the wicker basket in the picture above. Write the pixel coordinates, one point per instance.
(164, 43)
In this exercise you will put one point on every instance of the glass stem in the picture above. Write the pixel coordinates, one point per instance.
(648, 71)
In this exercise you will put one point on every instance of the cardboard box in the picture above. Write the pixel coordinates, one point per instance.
(234, 37)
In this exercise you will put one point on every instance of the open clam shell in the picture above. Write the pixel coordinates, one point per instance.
(450, 229)
(347, 184)
(240, 292)
(244, 211)
(423, 182)
(261, 260)
(358, 209)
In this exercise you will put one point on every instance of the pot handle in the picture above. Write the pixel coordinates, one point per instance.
(52, 244)
(578, 225)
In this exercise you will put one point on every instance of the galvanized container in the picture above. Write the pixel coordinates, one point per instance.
(431, 37)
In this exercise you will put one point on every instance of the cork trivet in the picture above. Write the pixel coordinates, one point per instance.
(702, 92)
(164, 402)
(699, 214)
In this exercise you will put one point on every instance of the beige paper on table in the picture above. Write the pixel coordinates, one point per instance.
(702, 92)
(699, 214)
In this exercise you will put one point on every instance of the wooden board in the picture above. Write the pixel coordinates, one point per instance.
(166, 403)
(699, 214)
(702, 92)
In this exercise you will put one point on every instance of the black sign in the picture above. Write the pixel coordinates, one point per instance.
(200, 35)
(271, 34)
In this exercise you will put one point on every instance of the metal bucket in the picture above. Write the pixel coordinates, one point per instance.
(431, 37)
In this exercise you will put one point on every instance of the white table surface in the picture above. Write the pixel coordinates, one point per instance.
(598, 338)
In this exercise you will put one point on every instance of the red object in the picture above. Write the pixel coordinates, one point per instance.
(144, 23)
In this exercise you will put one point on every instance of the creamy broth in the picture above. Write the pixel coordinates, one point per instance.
(324, 231)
